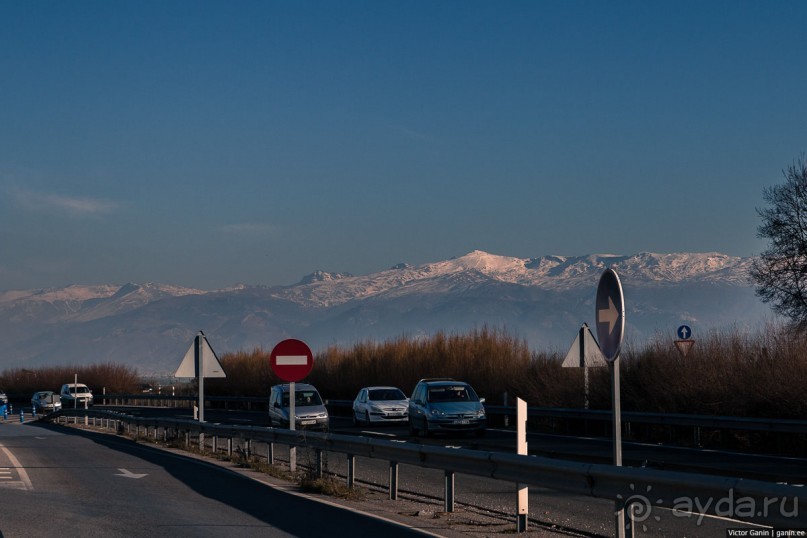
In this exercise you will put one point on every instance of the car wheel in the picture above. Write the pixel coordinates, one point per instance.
(426, 430)
(355, 420)
(412, 430)
(367, 417)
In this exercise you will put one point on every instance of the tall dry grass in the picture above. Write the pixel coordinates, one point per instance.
(490, 359)
(23, 382)
(726, 373)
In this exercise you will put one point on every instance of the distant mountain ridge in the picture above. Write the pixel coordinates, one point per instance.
(543, 300)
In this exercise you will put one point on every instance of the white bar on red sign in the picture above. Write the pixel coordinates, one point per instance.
(291, 360)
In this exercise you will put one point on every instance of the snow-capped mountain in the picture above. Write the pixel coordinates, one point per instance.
(543, 300)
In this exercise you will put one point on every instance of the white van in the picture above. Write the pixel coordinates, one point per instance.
(75, 395)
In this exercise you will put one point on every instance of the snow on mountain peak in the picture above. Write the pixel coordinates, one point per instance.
(481, 261)
(323, 276)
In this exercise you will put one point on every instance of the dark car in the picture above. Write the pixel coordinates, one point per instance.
(3, 397)
(446, 406)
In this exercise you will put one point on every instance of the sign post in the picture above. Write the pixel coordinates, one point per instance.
(291, 360)
(200, 362)
(610, 315)
(584, 353)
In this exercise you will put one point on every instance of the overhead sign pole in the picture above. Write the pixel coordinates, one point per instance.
(610, 315)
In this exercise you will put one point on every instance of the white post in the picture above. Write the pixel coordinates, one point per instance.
(292, 449)
(521, 448)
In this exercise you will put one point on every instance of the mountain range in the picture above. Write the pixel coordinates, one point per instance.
(543, 300)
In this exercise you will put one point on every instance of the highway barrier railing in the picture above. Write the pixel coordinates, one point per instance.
(752, 501)
(696, 424)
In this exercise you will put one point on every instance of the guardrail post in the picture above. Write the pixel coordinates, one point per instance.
(319, 470)
(215, 444)
(393, 480)
(449, 491)
(270, 453)
(201, 442)
(351, 470)
(229, 447)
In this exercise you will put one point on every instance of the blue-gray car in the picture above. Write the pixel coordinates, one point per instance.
(446, 406)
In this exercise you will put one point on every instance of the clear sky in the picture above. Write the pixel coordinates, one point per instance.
(212, 143)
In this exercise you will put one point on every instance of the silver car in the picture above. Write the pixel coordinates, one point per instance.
(376, 405)
(309, 410)
(46, 401)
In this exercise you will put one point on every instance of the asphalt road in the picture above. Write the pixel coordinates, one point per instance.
(549, 510)
(66, 482)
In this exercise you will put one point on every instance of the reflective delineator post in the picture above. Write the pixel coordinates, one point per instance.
(22, 416)
(521, 448)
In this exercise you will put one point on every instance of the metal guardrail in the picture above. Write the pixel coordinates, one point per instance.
(662, 419)
(746, 500)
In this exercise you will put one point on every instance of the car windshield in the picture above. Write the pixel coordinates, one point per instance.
(380, 395)
(452, 393)
(303, 398)
(79, 390)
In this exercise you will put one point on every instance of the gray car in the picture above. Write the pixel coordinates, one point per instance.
(446, 406)
(46, 401)
(309, 410)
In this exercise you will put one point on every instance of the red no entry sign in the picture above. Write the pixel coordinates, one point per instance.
(291, 360)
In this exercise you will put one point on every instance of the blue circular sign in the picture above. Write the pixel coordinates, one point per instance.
(610, 314)
(684, 332)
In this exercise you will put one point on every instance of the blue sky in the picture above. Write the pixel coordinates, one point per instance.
(213, 143)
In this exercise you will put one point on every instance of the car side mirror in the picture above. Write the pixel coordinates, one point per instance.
(481, 400)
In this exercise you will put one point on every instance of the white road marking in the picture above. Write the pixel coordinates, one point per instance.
(25, 482)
